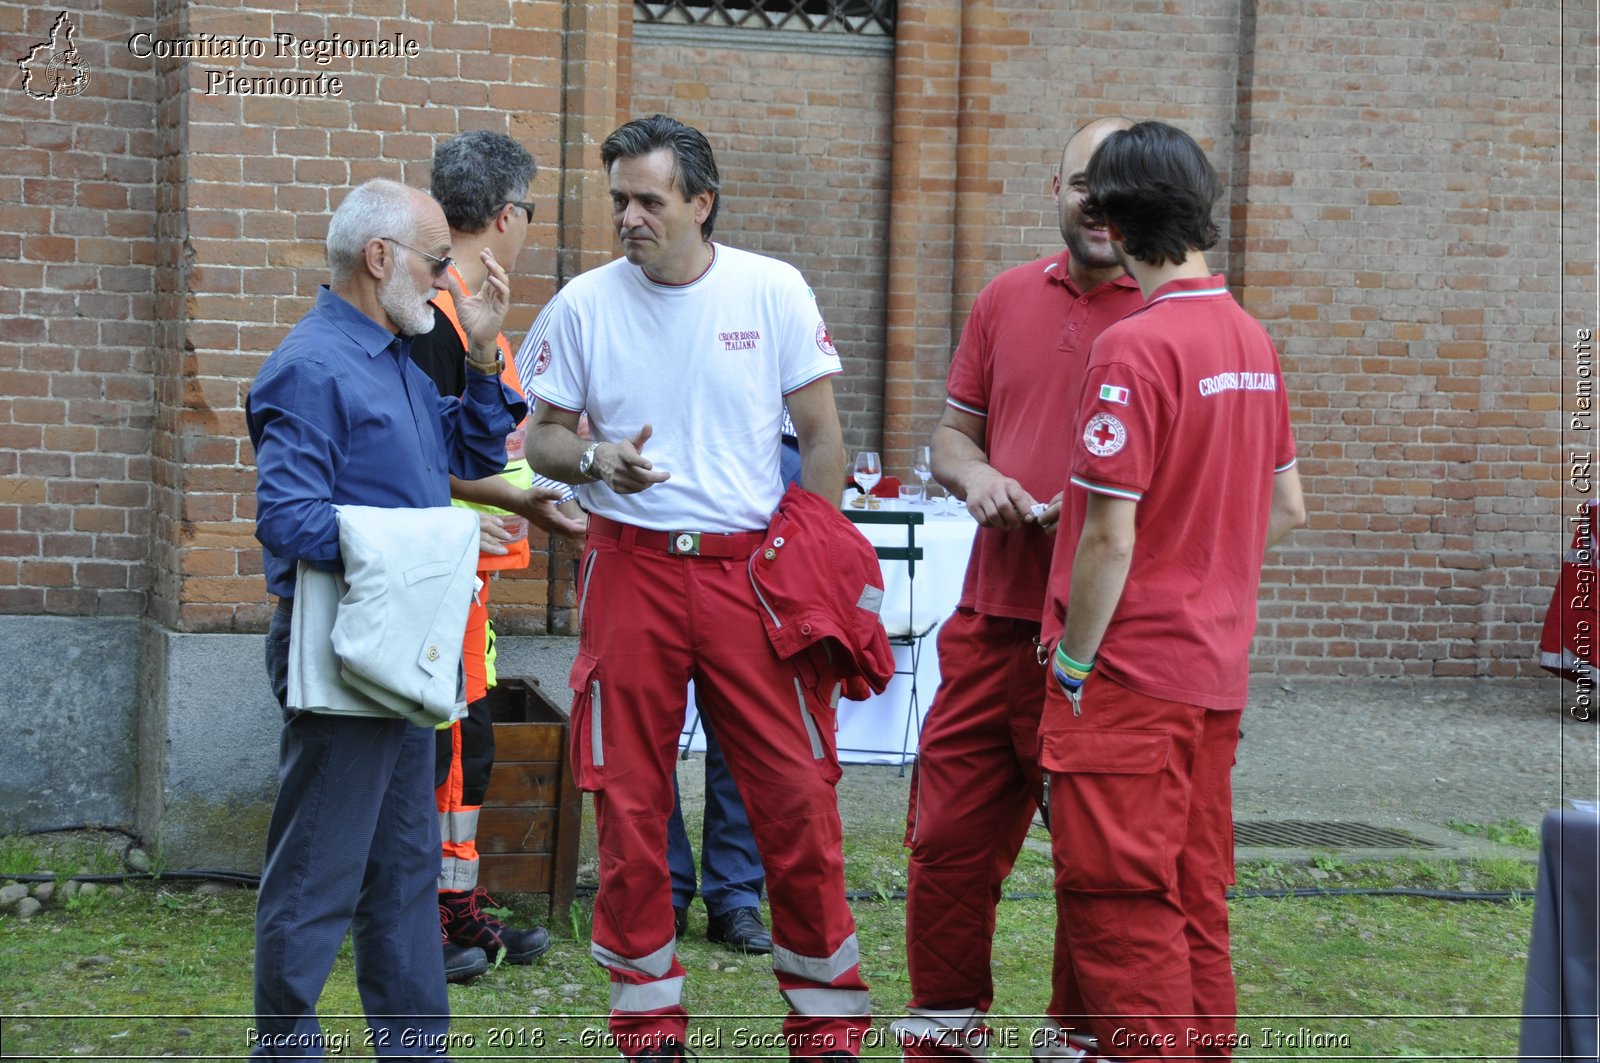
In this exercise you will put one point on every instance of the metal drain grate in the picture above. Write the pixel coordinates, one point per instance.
(1299, 834)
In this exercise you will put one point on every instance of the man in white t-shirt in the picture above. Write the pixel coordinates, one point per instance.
(683, 354)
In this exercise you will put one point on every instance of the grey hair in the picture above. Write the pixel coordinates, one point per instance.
(378, 209)
(476, 173)
(695, 164)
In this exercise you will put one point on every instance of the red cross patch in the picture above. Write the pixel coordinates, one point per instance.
(1104, 435)
(824, 340)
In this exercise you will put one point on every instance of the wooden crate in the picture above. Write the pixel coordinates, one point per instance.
(532, 815)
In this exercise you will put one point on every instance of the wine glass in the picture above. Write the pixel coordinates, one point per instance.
(922, 465)
(868, 471)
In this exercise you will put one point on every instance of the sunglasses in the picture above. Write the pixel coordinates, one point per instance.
(527, 208)
(437, 264)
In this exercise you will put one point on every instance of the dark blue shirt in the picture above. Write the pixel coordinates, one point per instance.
(340, 415)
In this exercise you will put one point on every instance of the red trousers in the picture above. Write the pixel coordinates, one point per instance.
(1141, 818)
(974, 793)
(651, 622)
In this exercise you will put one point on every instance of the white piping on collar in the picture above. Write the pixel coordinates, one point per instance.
(1190, 295)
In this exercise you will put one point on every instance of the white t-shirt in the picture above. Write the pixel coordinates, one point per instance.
(705, 364)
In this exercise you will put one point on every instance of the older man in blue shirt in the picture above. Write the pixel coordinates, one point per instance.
(340, 415)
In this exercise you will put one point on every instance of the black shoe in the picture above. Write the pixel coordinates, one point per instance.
(463, 965)
(740, 929)
(669, 1052)
(680, 921)
(467, 924)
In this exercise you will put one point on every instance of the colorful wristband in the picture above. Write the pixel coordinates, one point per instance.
(1071, 668)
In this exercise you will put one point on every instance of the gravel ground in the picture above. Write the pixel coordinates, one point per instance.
(1397, 754)
(1427, 751)
(1416, 755)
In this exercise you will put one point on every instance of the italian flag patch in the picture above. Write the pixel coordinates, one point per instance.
(1112, 393)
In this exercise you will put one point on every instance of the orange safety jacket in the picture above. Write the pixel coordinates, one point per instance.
(517, 469)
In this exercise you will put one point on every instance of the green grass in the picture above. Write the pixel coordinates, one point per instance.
(19, 856)
(163, 969)
(1507, 832)
(66, 854)
(1480, 875)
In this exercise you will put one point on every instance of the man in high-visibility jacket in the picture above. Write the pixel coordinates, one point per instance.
(482, 179)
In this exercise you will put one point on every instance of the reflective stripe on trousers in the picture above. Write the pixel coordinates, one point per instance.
(655, 965)
(829, 1001)
(823, 969)
(458, 870)
(931, 1022)
(655, 994)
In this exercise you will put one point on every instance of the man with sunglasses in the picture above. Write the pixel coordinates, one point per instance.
(339, 416)
(481, 180)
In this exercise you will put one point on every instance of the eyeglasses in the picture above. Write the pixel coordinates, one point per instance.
(527, 208)
(438, 265)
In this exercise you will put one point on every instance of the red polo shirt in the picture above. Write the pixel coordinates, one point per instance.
(1184, 411)
(1019, 366)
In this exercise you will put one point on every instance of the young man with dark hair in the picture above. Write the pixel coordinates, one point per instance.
(684, 353)
(1184, 472)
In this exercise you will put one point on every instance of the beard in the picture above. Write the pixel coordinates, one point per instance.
(1085, 253)
(409, 310)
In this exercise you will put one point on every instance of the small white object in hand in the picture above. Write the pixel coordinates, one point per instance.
(1037, 509)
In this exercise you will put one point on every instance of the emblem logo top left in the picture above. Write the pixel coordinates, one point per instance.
(54, 68)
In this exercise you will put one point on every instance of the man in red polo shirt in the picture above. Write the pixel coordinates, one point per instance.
(1184, 470)
(1003, 442)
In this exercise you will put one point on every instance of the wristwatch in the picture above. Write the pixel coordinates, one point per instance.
(586, 463)
(494, 368)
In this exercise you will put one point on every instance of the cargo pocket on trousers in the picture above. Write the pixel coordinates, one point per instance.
(1122, 809)
(818, 717)
(586, 743)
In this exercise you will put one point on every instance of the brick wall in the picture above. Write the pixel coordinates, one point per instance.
(1399, 241)
(78, 256)
(1018, 78)
(597, 35)
(922, 238)
(1398, 176)
(152, 271)
(1580, 308)
(265, 174)
(802, 143)
(1035, 73)
(162, 238)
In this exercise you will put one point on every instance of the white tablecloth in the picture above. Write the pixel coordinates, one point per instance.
(872, 731)
(875, 730)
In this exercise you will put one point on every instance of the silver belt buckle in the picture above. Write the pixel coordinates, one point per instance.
(684, 543)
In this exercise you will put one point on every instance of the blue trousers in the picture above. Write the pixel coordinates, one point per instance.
(730, 863)
(353, 846)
